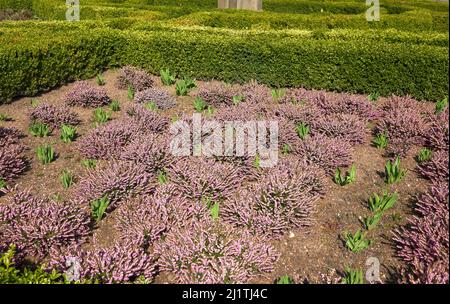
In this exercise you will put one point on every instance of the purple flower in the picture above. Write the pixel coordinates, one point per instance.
(160, 97)
(54, 116)
(136, 78)
(86, 95)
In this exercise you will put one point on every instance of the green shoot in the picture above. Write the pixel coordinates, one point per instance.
(66, 179)
(100, 80)
(4, 117)
(372, 221)
(441, 105)
(68, 133)
(383, 203)
(162, 177)
(114, 105)
(3, 184)
(237, 99)
(353, 276)
(39, 129)
(151, 106)
(89, 163)
(302, 130)
(200, 105)
(373, 96)
(356, 242)
(167, 77)
(34, 103)
(285, 280)
(424, 155)
(98, 208)
(45, 154)
(380, 141)
(130, 93)
(349, 178)
(393, 172)
(277, 94)
(215, 211)
(101, 116)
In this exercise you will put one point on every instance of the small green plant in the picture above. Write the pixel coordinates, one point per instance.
(285, 280)
(162, 177)
(4, 117)
(100, 79)
(349, 177)
(68, 133)
(39, 129)
(3, 184)
(237, 99)
(167, 77)
(130, 93)
(372, 221)
(98, 208)
(34, 103)
(373, 96)
(101, 116)
(356, 242)
(45, 154)
(182, 87)
(353, 276)
(114, 105)
(66, 179)
(215, 211)
(393, 172)
(277, 94)
(424, 155)
(380, 141)
(441, 105)
(200, 105)
(152, 106)
(257, 162)
(89, 163)
(209, 111)
(383, 203)
(286, 149)
(302, 130)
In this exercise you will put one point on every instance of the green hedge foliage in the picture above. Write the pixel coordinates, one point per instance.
(341, 61)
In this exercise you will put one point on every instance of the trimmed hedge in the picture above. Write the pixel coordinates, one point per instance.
(313, 60)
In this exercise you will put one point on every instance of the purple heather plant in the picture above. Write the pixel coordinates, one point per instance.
(126, 261)
(147, 120)
(346, 127)
(327, 153)
(108, 140)
(306, 113)
(203, 178)
(52, 115)
(86, 95)
(436, 169)
(162, 98)
(424, 243)
(152, 151)
(438, 136)
(37, 225)
(255, 93)
(358, 105)
(280, 201)
(119, 181)
(218, 94)
(210, 253)
(12, 161)
(136, 78)
(9, 136)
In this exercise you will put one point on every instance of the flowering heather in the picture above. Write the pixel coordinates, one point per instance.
(438, 135)
(346, 127)
(36, 225)
(286, 133)
(407, 102)
(327, 153)
(255, 93)
(108, 140)
(124, 262)
(282, 200)
(54, 116)
(146, 219)
(147, 120)
(160, 97)
(211, 254)
(118, 181)
(136, 78)
(203, 178)
(436, 169)
(218, 94)
(424, 243)
(150, 151)
(299, 113)
(357, 105)
(86, 95)
(12, 160)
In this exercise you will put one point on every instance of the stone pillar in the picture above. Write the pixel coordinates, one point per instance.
(255, 5)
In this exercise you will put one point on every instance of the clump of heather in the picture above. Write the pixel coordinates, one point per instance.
(147, 120)
(160, 97)
(108, 140)
(218, 94)
(125, 261)
(299, 113)
(147, 219)
(438, 135)
(86, 95)
(209, 253)
(137, 79)
(37, 225)
(151, 151)
(287, 136)
(357, 105)
(253, 92)
(436, 169)
(327, 153)
(346, 127)
(424, 243)
(12, 161)
(203, 178)
(282, 200)
(117, 182)
(54, 116)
